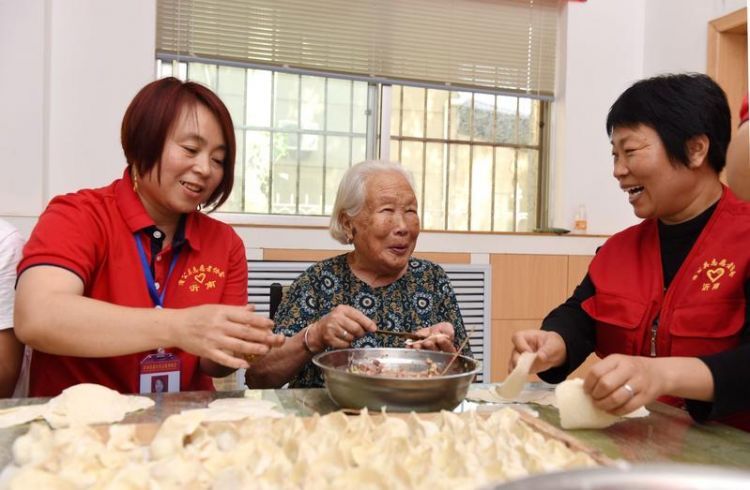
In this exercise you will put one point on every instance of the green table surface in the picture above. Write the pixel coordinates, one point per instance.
(667, 435)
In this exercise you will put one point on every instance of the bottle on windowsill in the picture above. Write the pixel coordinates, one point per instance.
(581, 224)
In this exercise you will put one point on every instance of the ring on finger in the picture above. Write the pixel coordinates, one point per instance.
(629, 389)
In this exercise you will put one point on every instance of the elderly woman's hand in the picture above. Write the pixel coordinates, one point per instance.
(437, 337)
(339, 328)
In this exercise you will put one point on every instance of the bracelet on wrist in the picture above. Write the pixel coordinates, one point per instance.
(305, 342)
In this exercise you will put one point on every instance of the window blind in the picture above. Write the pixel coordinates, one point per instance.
(506, 45)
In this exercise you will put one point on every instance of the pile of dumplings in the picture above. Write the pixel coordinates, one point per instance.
(336, 451)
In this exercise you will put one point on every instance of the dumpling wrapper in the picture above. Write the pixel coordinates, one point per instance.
(489, 395)
(577, 410)
(89, 403)
(233, 409)
(21, 415)
(514, 383)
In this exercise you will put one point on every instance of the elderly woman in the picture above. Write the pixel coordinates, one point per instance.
(339, 302)
(664, 302)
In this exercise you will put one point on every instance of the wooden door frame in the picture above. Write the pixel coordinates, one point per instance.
(727, 57)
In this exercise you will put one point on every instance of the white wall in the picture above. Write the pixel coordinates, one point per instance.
(62, 105)
(608, 45)
(91, 84)
(23, 41)
(602, 41)
(70, 69)
(676, 33)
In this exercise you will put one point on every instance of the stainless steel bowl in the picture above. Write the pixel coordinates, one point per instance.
(637, 477)
(353, 390)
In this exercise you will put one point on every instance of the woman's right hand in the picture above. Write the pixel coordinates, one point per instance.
(549, 347)
(339, 328)
(224, 334)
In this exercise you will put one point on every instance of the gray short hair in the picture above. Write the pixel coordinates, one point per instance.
(352, 192)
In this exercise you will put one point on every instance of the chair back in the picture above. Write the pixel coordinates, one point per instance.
(276, 293)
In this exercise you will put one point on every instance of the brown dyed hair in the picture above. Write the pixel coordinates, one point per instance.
(149, 120)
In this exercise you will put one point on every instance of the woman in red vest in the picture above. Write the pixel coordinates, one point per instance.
(664, 302)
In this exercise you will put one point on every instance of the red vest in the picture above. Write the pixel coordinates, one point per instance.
(703, 310)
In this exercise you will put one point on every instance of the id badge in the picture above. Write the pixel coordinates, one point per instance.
(160, 373)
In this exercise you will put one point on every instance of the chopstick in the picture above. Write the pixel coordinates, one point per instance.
(469, 331)
(413, 336)
(406, 335)
(456, 354)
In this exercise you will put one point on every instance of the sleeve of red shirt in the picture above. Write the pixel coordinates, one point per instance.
(235, 292)
(743, 110)
(67, 235)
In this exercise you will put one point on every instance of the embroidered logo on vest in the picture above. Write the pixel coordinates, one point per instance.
(200, 277)
(711, 273)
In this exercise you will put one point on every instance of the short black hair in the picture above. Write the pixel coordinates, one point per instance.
(678, 107)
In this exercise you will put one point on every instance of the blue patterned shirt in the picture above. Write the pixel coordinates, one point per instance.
(420, 298)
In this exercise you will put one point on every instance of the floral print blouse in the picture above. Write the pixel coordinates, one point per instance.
(422, 297)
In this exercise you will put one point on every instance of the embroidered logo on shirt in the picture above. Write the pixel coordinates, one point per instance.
(200, 277)
(711, 273)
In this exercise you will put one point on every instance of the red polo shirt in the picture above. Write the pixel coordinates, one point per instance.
(90, 233)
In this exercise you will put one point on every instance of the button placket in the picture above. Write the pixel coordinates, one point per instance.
(159, 271)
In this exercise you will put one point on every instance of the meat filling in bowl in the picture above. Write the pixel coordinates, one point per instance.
(374, 367)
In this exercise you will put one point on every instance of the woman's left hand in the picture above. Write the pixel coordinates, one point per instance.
(437, 337)
(621, 384)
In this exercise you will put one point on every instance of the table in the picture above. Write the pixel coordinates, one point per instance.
(667, 435)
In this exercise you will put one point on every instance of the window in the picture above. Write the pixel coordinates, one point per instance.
(296, 134)
(475, 156)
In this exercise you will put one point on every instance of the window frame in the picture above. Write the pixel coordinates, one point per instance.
(541, 148)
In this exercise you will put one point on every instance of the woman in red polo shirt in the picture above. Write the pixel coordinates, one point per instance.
(665, 302)
(129, 285)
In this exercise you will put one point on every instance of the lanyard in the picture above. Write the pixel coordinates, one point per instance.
(157, 298)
